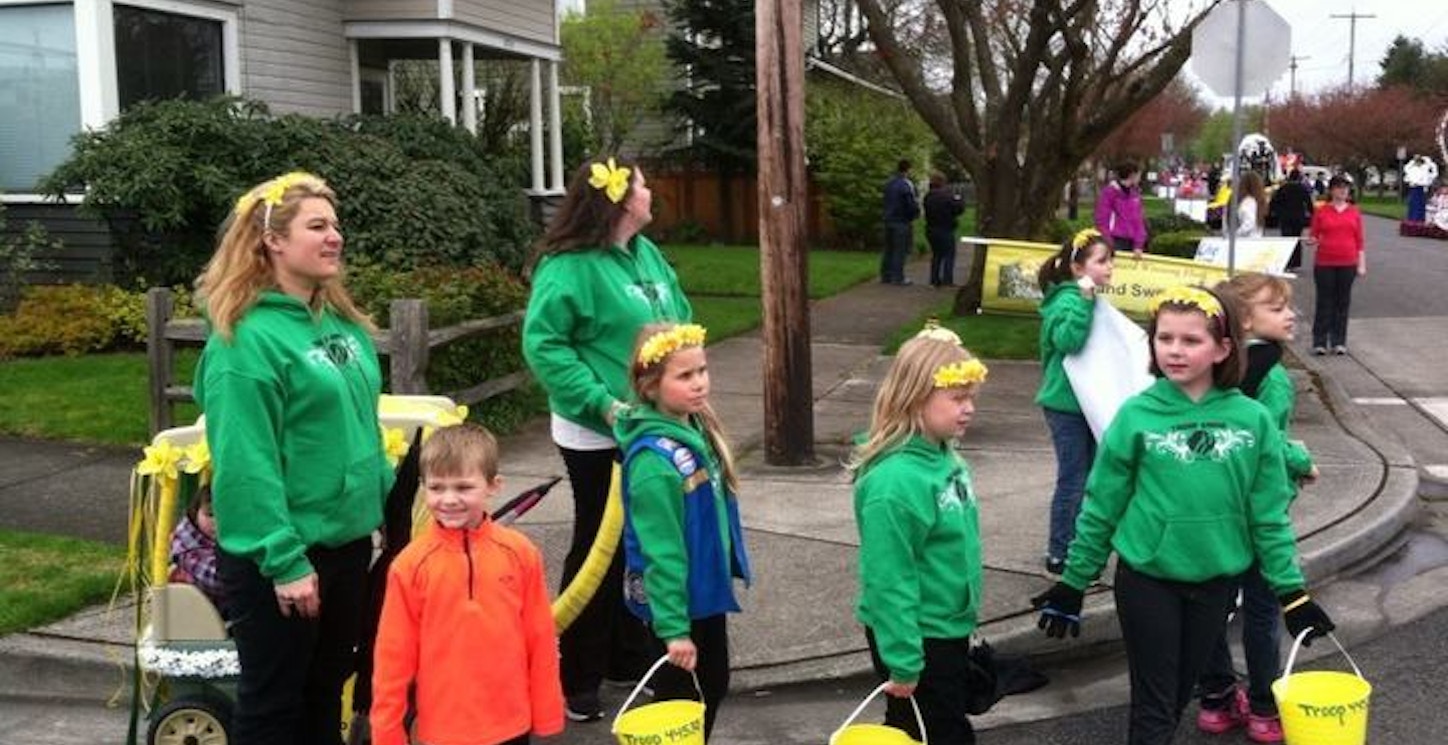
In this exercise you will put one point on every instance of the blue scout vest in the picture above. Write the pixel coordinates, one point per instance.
(710, 581)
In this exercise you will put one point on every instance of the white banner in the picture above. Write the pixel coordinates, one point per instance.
(1112, 367)
(1266, 255)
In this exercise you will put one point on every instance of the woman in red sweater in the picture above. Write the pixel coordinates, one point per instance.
(1337, 230)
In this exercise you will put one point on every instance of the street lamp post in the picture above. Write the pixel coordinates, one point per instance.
(1402, 182)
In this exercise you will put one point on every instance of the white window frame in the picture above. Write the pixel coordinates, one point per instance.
(230, 34)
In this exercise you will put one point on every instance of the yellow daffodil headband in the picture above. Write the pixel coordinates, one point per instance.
(271, 194)
(965, 372)
(1192, 297)
(1082, 239)
(659, 346)
(611, 178)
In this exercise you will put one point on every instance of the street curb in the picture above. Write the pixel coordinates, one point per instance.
(53, 668)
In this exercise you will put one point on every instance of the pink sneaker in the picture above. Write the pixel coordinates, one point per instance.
(1264, 729)
(1218, 721)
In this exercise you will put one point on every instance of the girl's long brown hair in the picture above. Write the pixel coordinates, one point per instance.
(644, 379)
(241, 267)
(586, 218)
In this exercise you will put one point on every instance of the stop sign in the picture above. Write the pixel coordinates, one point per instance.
(1265, 53)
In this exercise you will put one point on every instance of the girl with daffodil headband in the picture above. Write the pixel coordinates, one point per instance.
(933, 361)
(1221, 323)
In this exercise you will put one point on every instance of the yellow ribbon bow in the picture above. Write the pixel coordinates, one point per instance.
(611, 178)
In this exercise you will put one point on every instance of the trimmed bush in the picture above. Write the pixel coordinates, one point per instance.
(414, 191)
(1173, 223)
(1182, 245)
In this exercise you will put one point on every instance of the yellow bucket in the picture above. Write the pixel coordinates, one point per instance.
(1322, 707)
(662, 722)
(850, 733)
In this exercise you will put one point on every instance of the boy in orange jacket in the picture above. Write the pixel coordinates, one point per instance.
(466, 618)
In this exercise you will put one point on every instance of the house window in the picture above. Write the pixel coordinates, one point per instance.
(39, 92)
(162, 55)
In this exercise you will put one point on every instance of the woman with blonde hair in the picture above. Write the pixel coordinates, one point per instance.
(920, 556)
(289, 383)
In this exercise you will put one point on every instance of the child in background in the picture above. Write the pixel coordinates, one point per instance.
(920, 556)
(1189, 488)
(683, 541)
(193, 548)
(1268, 322)
(466, 625)
(1069, 280)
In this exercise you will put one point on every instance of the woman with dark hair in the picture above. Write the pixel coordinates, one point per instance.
(596, 281)
(1337, 231)
(1251, 207)
(1119, 214)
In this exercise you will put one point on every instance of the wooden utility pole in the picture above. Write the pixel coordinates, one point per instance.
(783, 262)
(1352, 19)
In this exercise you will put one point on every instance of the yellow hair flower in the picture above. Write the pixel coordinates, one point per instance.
(394, 444)
(1194, 297)
(1083, 238)
(458, 415)
(272, 192)
(665, 343)
(965, 372)
(197, 456)
(611, 178)
(162, 459)
(933, 330)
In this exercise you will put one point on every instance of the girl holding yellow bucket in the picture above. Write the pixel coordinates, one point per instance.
(920, 557)
(1189, 487)
(683, 541)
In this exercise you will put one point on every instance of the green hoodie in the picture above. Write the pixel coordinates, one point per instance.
(656, 511)
(1277, 393)
(583, 318)
(291, 420)
(920, 560)
(1188, 491)
(1065, 324)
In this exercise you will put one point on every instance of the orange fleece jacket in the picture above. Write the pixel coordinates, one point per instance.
(467, 619)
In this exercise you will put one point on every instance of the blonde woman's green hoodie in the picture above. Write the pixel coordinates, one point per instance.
(1065, 326)
(920, 558)
(291, 421)
(584, 314)
(1188, 491)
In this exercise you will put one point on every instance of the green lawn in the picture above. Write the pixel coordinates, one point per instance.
(1389, 206)
(734, 270)
(45, 578)
(92, 398)
(988, 336)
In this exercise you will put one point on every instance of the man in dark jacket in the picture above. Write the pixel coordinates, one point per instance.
(901, 209)
(1292, 206)
(942, 207)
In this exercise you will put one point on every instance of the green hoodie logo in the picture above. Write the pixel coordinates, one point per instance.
(652, 293)
(1193, 442)
(334, 350)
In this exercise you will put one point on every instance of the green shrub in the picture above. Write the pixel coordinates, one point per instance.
(18, 258)
(1182, 245)
(58, 319)
(855, 139)
(413, 191)
(1173, 223)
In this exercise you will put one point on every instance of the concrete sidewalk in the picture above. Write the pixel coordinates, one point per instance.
(798, 622)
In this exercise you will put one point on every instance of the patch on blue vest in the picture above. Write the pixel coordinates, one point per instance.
(633, 588)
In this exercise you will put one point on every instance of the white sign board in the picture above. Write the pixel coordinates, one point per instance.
(1265, 255)
(1265, 53)
(1196, 209)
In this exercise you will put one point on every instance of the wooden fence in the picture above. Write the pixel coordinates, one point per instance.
(728, 211)
(407, 343)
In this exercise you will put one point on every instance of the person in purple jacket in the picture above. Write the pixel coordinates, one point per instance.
(1118, 210)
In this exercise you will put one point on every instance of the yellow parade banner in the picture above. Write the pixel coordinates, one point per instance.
(1011, 267)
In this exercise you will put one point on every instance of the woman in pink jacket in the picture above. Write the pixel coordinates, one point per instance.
(1118, 210)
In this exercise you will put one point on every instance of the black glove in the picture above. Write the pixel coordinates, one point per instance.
(1301, 613)
(1060, 609)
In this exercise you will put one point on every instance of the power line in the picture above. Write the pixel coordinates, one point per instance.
(1292, 89)
(1353, 18)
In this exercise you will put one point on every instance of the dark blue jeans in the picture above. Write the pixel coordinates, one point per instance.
(1075, 449)
(1261, 644)
(898, 239)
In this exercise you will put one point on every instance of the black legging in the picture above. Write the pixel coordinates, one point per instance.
(711, 638)
(605, 640)
(1334, 297)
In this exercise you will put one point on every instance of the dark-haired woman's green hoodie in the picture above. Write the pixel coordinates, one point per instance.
(1188, 491)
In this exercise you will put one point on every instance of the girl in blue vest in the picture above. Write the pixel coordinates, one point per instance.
(920, 559)
(682, 538)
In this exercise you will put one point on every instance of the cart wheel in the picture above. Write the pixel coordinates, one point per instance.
(189, 722)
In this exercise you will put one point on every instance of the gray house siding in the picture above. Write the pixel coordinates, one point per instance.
(389, 10)
(294, 57)
(526, 19)
(85, 255)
